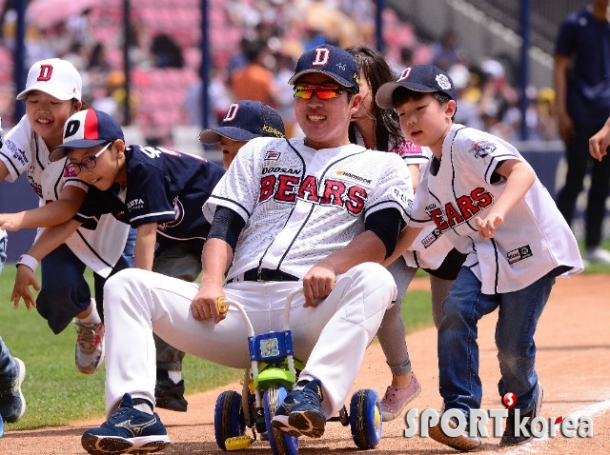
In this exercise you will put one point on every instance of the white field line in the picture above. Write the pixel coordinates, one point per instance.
(589, 411)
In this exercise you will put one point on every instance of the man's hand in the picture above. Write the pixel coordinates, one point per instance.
(205, 304)
(598, 143)
(11, 221)
(23, 280)
(317, 284)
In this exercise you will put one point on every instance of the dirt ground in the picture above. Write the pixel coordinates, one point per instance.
(573, 363)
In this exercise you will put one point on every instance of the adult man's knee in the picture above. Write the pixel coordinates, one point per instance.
(123, 278)
(373, 272)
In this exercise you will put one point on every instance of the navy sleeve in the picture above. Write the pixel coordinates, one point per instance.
(227, 226)
(386, 224)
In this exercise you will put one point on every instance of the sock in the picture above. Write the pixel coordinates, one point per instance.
(175, 375)
(303, 381)
(93, 317)
(143, 405)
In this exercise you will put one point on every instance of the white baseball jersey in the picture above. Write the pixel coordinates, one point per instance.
(430, 248)
(25, 151)
(534, 238)
(302, 204)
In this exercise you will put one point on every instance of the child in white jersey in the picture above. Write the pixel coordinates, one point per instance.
(480, 193)
(52, 94)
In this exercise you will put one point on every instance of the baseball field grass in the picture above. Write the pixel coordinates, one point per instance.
(57, 393)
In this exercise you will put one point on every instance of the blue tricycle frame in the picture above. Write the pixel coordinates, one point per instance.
(272, 374)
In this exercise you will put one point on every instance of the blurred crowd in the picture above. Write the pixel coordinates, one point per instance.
(254, 44)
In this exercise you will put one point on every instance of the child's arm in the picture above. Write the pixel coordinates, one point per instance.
(519, 179)
(405, 239)
(598, 144)
(414, 169)
(144, 251)
(48, 215)
(3, 171)
(48, 240)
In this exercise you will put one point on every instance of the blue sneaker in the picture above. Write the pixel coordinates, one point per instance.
(12, 402)
(301, 413)
(129, 430)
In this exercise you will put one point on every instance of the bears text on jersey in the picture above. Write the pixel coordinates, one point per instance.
(467, 207)
(287, 188)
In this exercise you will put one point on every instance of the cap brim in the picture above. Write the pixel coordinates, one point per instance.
(61, 151)
(62, 96)
(212, 135)
(338, 79)
(383, 98)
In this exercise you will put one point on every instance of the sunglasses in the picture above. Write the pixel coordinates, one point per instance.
(87, 162)
(322, 92)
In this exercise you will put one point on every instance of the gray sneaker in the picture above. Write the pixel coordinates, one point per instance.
(12, 402)
(598, 256)
(89, 349)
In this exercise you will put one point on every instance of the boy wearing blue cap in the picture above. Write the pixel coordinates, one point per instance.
(482, 194)
(314, 214)
(157, 191)
(244, 120)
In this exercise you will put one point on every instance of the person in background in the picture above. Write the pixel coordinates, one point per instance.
(12, 369)
(600, 141)
(582, 94)
(254, 81)
(243, 121)
(12, 374)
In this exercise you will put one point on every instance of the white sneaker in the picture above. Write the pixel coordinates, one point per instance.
(89, 350)
(598, 255)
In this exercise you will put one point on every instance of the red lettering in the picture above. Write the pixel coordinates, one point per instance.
(308, 191)
(482, 197)
(355, 199)
(286, 188)
(453, 217)
(46, 71)
(467, 207)
(333, 190)
(437, 217)
(267, 186)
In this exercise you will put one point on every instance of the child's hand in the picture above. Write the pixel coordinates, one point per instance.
(487, 226)
(598, 144)
(23, 280)
(11, 221)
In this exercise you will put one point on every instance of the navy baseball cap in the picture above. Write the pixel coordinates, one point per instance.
(86, 129)
(332, 61)
(419, 78)
(246, 120)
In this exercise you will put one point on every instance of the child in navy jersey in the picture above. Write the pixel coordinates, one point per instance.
(159, 192)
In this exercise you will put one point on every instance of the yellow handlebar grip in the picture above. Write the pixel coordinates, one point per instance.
(222, 308)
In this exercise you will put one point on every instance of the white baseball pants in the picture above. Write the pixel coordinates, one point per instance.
(331, 338)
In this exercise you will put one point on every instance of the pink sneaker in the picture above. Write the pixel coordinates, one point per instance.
(396, 398)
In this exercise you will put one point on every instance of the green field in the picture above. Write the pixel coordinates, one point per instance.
(57, 393)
